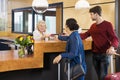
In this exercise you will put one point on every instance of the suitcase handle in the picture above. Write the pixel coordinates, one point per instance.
(58, 71)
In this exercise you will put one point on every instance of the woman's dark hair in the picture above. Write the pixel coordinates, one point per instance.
(96, 9)
(72, 24)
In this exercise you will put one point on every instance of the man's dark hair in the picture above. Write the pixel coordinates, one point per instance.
(72, 24)
(96, 9)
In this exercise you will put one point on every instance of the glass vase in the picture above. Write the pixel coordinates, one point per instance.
(21, 51)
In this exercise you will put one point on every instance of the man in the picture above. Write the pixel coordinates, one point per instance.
(104, 41)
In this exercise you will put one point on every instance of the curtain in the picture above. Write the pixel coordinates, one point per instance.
(3, 15)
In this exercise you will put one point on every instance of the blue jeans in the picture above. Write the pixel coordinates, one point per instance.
(101, 63)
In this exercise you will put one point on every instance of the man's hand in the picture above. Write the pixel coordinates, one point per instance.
(111, 51)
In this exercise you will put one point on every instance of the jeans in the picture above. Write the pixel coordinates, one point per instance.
(101, 63)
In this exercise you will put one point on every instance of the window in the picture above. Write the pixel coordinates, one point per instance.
(51, 24)
(18, 21)
(3, 15)
(24, 20)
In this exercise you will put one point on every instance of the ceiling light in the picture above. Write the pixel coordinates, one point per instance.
(40, 6)
(82, 4)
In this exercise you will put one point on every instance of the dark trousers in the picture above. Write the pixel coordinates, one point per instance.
(101, 63)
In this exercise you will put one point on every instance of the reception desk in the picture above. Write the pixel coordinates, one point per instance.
(9, 59)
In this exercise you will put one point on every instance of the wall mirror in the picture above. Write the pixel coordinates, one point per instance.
(24, 20)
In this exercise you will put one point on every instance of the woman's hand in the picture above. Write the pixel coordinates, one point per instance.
(56, 37)
(57, 59)
(47, 35)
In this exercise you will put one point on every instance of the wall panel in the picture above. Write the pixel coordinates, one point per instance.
(82, 16)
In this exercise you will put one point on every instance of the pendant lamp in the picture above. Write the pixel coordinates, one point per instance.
(40, 6)
(82, 4)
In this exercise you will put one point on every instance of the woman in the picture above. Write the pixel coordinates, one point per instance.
(40, 32)
(74, 45)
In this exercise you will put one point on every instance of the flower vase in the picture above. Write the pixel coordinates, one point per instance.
(21, 51)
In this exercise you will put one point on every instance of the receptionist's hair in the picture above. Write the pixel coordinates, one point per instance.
(41, 22)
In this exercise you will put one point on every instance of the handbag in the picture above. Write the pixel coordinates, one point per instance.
(75, 71)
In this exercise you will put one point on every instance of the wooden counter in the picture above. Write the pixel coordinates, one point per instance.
(9, 60)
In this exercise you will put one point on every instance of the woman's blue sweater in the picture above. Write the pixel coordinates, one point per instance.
(74, 48)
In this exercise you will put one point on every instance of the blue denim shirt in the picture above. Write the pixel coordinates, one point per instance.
(74, 47)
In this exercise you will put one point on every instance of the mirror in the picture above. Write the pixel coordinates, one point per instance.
(24, 20)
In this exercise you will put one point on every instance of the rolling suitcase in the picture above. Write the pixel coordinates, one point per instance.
(115, 76)
(68, 75)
